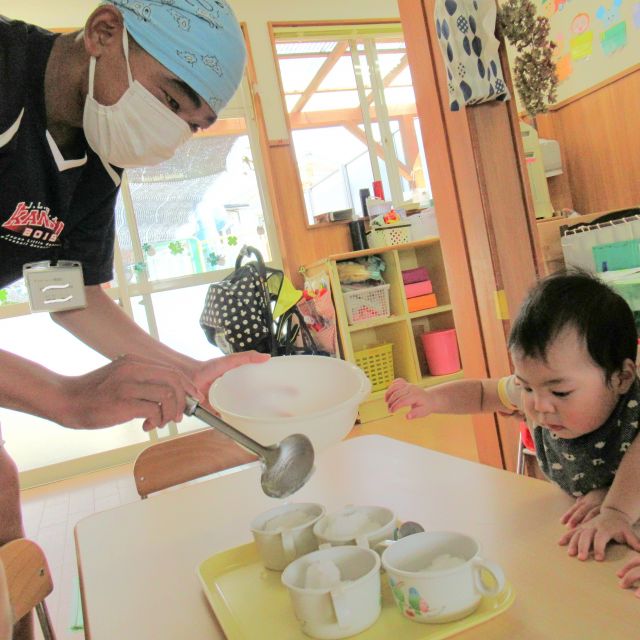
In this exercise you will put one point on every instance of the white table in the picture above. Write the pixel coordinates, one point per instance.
(138, 561)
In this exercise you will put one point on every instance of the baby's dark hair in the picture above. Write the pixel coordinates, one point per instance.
(577, 299)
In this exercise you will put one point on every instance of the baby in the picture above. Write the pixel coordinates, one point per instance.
(573, 347)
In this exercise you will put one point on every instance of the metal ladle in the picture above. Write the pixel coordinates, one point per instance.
(407, 528)
(286, 466)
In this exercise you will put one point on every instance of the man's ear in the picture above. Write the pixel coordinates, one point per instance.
(103, 30)
(624, 378)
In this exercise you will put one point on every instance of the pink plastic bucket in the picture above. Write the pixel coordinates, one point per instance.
(441, 351)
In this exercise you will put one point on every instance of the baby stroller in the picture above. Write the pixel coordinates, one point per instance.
(255, 307)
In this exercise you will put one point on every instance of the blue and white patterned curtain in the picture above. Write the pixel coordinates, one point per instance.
(466, 32)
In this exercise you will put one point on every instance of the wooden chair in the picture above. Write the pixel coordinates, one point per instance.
(523, 451)
(526, 447)
(188, 457)
(29, 581)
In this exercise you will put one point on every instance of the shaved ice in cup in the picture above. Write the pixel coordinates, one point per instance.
(289, 520)
(322, 574)
(335, 592)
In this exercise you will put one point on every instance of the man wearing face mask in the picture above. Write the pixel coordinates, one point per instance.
(75, 109)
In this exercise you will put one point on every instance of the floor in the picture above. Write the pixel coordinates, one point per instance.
(50, 514)
(52, 511)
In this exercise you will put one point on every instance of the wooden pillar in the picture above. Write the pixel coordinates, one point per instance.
(484, 216)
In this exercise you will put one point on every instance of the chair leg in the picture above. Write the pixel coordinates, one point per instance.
(520, 460)
(45, 621)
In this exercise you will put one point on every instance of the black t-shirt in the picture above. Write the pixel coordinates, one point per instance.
(50, 207)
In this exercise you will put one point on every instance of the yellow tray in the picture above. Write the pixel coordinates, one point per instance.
(251, 603)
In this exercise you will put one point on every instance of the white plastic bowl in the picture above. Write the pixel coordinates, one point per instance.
(314, 395)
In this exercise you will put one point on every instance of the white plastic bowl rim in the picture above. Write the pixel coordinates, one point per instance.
(362, 393)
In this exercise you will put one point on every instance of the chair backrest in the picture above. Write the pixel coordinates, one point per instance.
(28, 579)
(184, 458)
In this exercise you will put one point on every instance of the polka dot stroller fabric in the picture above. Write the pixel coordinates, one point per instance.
(466, 33)
(237, 311)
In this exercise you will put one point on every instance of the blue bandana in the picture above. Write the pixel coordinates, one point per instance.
(198, 40)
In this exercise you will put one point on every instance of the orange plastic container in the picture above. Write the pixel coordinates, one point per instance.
(422, 302)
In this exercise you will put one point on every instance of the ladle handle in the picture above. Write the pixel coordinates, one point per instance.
(194, 409)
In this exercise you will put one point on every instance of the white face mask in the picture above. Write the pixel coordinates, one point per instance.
(138, 130)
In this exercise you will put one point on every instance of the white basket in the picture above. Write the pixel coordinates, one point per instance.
(424, 224)
(367, 303)
(389, 235)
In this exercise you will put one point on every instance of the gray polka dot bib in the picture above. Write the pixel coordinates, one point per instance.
(590, 461)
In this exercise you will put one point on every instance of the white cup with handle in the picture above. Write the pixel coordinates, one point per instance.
(364, 526)
(335, 592)
(285, 533)
(439, 576)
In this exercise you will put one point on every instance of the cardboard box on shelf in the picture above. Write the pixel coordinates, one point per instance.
(415, 289)
(422, 302)
(410, 276)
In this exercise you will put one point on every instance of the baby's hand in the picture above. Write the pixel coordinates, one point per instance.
(584, 509)
(630, 574)
(404, 394)
(596, 533)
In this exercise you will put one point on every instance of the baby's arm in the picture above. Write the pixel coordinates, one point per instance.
(618, 512)
(584, 508)
(630, 575)
(459, 397)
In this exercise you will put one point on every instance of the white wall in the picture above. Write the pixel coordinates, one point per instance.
(49, 13)
(255, 13)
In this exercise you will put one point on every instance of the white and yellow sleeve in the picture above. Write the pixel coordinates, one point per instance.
(508, 393)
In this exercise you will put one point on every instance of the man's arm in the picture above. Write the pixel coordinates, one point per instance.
(624, 494)
(130, 387)
(6, 618)
(145, 379)
(107, 329)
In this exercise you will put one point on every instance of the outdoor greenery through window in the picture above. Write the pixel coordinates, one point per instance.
(351, 106)
(195, 211)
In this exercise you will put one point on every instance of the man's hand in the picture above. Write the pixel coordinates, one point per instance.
(209, 370)
(584, 508)
(129, 387)
(610, 524)
(630, 575)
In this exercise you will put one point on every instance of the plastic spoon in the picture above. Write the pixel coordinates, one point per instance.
(286, 466)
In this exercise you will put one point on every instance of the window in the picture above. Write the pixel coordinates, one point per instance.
(351, 106)
(193, 212)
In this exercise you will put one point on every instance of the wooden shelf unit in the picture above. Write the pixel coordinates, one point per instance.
(402, 328)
